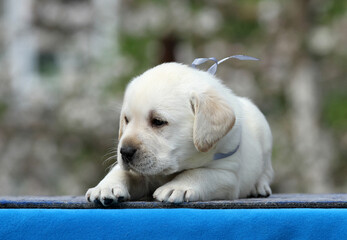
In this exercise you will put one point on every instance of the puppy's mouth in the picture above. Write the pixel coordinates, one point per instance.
(148, 167)
(145, 169)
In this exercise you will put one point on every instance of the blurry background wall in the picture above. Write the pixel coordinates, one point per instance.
(64, 65)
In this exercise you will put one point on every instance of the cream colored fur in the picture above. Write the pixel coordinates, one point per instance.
(174, 162)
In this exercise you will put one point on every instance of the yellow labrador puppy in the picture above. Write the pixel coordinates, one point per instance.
(184, 136)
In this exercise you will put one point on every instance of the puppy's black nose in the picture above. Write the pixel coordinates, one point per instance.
(128, 153)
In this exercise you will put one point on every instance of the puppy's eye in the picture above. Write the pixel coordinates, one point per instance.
(126, 120)
(158, 123)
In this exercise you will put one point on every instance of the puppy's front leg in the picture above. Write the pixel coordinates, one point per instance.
(118, 185)
(199, 184)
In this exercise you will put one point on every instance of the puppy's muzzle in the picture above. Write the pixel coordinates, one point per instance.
(128, 153)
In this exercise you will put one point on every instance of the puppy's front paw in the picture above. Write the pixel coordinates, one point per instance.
(107, 194)
(175, 193)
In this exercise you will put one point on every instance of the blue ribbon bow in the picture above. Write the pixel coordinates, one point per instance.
(213, 68)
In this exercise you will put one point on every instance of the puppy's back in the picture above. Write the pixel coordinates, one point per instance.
(256, 122)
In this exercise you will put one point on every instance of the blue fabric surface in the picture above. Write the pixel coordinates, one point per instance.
(173, 224)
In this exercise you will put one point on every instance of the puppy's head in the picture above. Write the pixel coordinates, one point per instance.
(171, 114)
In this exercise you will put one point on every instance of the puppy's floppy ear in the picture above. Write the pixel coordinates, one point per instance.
(213, 119)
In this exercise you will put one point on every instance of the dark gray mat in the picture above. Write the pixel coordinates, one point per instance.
(274, 201)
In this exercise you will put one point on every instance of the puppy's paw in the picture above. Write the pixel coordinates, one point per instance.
(175, 194)
(107, 194)
(262, 189)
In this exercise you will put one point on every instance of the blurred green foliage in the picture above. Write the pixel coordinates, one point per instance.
(335, 111)
(333, 9)
(135, 48)
(3, 108)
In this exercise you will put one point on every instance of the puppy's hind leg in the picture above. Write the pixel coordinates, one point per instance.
(262, 187)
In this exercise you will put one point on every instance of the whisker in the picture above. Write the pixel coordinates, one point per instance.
(110, 158)
(111, 166)
(111, 152)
